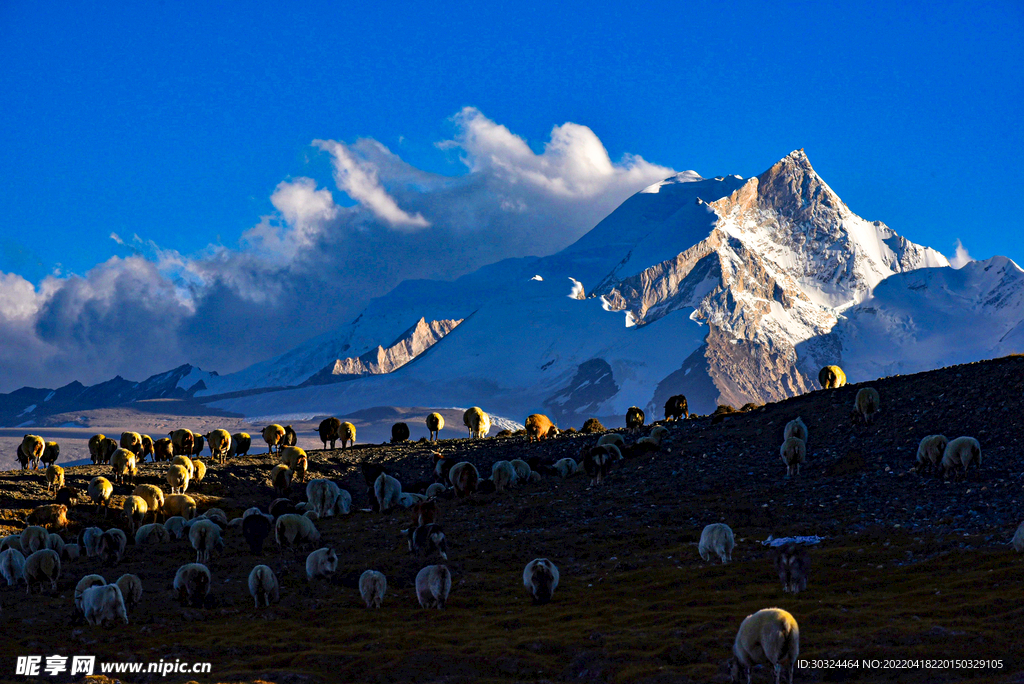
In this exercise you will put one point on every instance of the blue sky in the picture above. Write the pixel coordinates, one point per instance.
(176, 122)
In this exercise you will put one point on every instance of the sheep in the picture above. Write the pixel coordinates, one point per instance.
(216, 515)
(676, 408)
(538, 427)
(186, 463)
(348, 435)
(68, 496)
(290, 438)
(716, 538)
(503, 475)
(94, 448)
(54, 478)
(611, 438)
(343, 504)
(424, 512)
(464, 478)
(279, 507)
(596, 463)
(205, 537)
(163, 450)
(32, 446)
(960, 451)
(410, 499)
(273, 435)
(281, 479)
(200, 472)
(399, 433)
(42, 565)
(11, 542)
(295, 530)
(435, 423)
(867, 403)
(71, 552)
(442, 467)
(87, 582)
(478, 422)
(177, 477)
(197, 448)
(132, 441)
(131, 589)
(255, 529)
(192, 583)
(435, 490)
(135, 510)
(426, 539)
(521, 468)
(100, 491)
(105, 450)
(930, 452)
(768, 637)
(111, 545)
(182, 441)
(103, 604)
(56, 542)
(658, 433)
(322, 495)
(152, 495)
(565, 467)
(55, 515)
(147, 448)
(793, 452)
(433, 583)
(312, 515)
(321, 563)
(263, 586)
(51, 452)
(540, 579)
(792, 564)
(179, 504)
(634, 419)
(241, 442)
(831, 377)
(12, 566)
(372, 587)
(220, 445)
(123, 464)
(153, 533)
(290, 455)
(33, 538)
(89, 539)
(1018, 539)
(330, 431)
(795, 428)
(387, 491)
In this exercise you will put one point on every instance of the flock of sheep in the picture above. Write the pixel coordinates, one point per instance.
(34, 557)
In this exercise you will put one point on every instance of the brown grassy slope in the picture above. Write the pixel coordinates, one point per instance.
(911, 567)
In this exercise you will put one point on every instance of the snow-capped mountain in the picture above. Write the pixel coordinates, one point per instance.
(727, 290)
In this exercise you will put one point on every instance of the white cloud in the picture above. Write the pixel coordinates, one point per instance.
(961, 257)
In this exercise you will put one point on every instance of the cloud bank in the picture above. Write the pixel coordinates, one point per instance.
(313, 264)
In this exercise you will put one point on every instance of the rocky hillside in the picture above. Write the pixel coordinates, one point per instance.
(910, 567)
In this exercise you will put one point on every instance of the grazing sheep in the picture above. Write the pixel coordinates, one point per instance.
(867, 404)
(427, 539)
(658, 433)
(676, 408)
(387, 490)
(312, 515)
(343, 505)
(831, 377)
(399, 433)
(11, 542)
(135, 510)
(596, 463)
(152, 495)
(634, 419)
(565, 467)
(54, 478)
(521, 468)
(410, 499)
(433, 583)
(768, 637)
(89, 539)
(241, 442)
(186, 463)
(322, 495)
(540, 579)
(32, 446)
(183, 441)
(12, 566)
(41, 566)
(290, 438)
(348, 435)
(56, 542)
(372, 587)
(69, 496)
(295, 530)
(435, 423)
(163, 450)
(123, 464)
(255, 529)
(153, 533)
(330, 431)
(94, 448)
(192, 583)
(131, 589)
(33, 538)
(132, 441)
(51, 452)
(300, 469)
(179, 504)
(87, 582)
(104, 604)
(263, 586)
(792, 564)
(273, 435)
(111, 545)
(279, 507)
(177, 477)
(716, 538)
(281, 479)
(71, 552)
(205, 537)
(290, 455)
(321, 563)
(503, 475)
(1018, 539)
(960, 451)
(200, 471)
(54, 515)
(464, 478)
(435, 490)
(930, 452)
(220, 445)
(216, 515)
(793, 452)
(612, 438)
(538, 427)
(795, 428)
(100, 491)
(478, 422)
(147, 448)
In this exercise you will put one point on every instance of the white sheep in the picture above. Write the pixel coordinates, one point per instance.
(435, 490)
(131, 589)
(387, 490)
(716, 538)
(152, 495)
(54, 478)
(273, 435)
(87, 582)
(179, 504)
(435, 423)
(540, 579)
(867, 403)
(566, 467)
(12, 542)
(281, 479)
(100, 491)
(962, 451)
(124, 465)
(612, 438)
(433, 583)
(220, 445)
(464, 477)
(135, 510)
(43, 565)
(768, 637)
(33, 538)
(793, 452)
(372, 587)
(186, 463)
(522, 468)
(503, 475)
(410, 499)
(192, 583)
(89, 539)
(103, 604)
(12, 566)
(343, 504)
(321, 563)
(478, 422)
(200, 472)
(216, 515)
(293, 530)
(56, 542)
(205, 537)
(177, 477)
(322, 495)
(930, 451)
(153, 533)
(795, 428)
(263, 586)
(175, 526)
